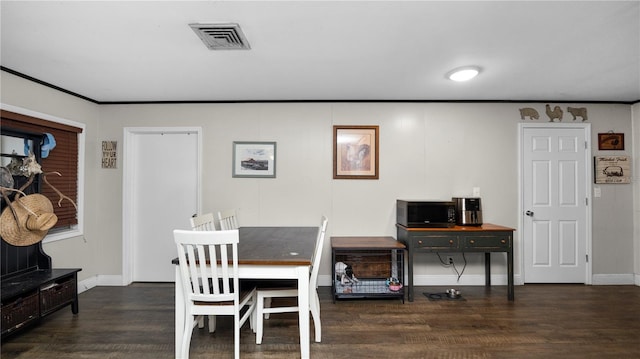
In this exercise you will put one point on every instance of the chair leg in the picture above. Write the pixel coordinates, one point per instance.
(212, 323)
(267, 304)
(315, 313)
(186, 338)
(236, 336)
(200, 321)
(252, 316)
(252, 319)
(259, 317)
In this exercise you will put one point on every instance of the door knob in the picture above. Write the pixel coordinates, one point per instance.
(529, 213)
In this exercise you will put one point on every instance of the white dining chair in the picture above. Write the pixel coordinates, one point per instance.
(264, 295)
(204, 222)
(212, 289)
(228, 219)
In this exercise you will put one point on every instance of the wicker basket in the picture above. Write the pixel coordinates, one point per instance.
(19, 312)
(57, 296)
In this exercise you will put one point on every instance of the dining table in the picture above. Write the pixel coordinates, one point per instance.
(277, 252)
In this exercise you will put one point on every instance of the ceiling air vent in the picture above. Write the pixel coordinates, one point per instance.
(221, 36)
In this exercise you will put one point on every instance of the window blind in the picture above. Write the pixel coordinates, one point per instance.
(63, 159)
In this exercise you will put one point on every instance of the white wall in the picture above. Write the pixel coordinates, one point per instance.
(82, 251)
(613, 219)
(427, 150)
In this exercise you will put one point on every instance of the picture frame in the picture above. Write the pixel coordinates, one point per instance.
(612, 169)
(254, 159)
(355, 152)
(611, 141)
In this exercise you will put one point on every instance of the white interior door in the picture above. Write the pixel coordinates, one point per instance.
(555, 195)
(164, 196)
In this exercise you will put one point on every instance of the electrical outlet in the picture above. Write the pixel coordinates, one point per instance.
(449, 260)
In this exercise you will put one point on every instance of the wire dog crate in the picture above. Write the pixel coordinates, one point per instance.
(367, 267)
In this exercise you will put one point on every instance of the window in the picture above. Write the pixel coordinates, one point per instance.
(64, 159)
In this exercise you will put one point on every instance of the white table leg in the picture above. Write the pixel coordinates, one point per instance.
(303, 311)
(180, 313)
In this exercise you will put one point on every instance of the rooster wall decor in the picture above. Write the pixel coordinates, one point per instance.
(556, 113)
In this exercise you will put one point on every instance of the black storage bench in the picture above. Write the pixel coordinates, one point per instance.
(27, 297)
(30, 287)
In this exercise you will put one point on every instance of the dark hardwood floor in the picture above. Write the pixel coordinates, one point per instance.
(545, 321)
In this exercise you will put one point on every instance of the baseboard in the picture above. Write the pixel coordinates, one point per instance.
(99, 280)
(86, 284)
(615, 279)
(467, 279)
(324, 280)
(110, 280)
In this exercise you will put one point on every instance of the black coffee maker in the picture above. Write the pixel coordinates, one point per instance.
(468, 211)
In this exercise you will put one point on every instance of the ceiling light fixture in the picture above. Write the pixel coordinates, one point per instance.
(463, 73)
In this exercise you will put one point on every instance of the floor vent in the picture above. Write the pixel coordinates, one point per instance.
(221, 36)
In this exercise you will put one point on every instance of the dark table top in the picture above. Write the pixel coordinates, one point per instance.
(276, 245)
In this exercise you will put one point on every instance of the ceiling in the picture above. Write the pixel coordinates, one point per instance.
(145, 51)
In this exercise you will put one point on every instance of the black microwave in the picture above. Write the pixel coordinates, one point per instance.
(425, 214)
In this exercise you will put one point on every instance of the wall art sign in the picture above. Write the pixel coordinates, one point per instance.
(254, 159)
(109, 154)
(612, 169)
(611, 141)
(355, 152)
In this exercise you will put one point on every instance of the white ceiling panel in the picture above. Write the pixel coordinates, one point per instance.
(145, 51)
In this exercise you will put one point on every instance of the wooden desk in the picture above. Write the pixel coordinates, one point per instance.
(268, 253)
(486, 238)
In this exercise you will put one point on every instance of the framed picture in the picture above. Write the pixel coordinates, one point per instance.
(355, 152)
(610, 141)
(612, 169)
(254, 159)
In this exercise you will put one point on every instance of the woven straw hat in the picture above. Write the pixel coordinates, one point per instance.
(35, 218)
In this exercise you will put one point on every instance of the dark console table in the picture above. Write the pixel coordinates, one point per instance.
(486, 238)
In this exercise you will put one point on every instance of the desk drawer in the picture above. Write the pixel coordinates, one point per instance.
(434, 242)
(486, 242)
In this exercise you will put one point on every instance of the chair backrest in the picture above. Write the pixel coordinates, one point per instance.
(317, 254)
(203, 222)
(198, 254)
(228, 219)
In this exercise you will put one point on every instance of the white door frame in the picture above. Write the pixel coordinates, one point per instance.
(589, 187)
(128, 186)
